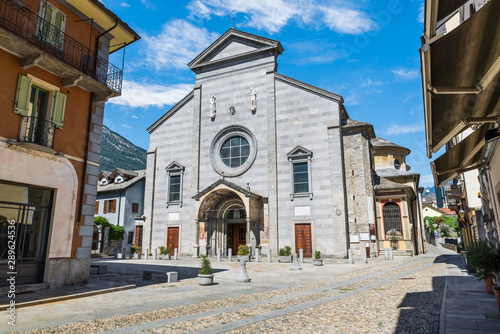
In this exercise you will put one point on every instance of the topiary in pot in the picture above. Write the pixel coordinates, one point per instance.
(484, 257)
(285, 254)
(317, 261)
(243, 252)
(205, 276)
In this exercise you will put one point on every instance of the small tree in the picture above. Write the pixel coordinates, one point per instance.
(206, 268)
(101, 221)
(285, 251)
(243, 250)
(116, 232)
(317, 255)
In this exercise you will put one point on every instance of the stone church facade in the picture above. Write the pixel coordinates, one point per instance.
(253, 157)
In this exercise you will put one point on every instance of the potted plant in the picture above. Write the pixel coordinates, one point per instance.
(317, 261)
(484, 257)
(243, 252)
(285, 255)
(165, 253)
(136, 251)
(205, 276)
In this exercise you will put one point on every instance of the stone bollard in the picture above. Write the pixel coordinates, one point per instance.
(349, 254)
(124, 253)
(301, 255)
(295, 264)
(365, 260)
(386, 254)
(230, 255)
(269, 255)
(218, 254)
(155, 254)
(242, 274)
(390, 254)
(147, 253)
(116, 252)
(176, 256)
(257, 255)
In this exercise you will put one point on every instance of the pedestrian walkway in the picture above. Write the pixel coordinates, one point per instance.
(466, 307)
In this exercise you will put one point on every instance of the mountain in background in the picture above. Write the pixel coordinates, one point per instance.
(118, 152)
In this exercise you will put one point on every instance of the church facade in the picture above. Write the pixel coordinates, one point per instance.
(253, 157)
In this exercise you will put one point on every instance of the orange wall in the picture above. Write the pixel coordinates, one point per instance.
(79, 31)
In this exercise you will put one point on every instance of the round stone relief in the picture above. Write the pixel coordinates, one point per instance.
(233, 151)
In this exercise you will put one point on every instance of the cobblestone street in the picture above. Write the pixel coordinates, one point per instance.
(400, 296)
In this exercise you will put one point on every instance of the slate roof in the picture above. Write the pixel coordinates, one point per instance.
(378, 142)
(140, 174)
(392, 172)
(351, 123)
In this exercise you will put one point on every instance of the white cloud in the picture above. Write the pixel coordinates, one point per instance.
(176, 45)
(126, 126)
(134, 116)
(124, 5)
(421, 13)
(346, 20)
(396, 129)
(135, 94)
(406, 75)
(273, 15)
(325, 52)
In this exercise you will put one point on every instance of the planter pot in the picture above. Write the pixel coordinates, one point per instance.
(318, 262)
(137, 256)
(205, 279)
(497, 294)
(246, 257)
(488, 284)
(165, 257)
(285, 258)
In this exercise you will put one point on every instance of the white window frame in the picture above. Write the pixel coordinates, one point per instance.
(174, 169)
(299, 155)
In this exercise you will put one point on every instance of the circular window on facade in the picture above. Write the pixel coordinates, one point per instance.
(233, 151)
(397, 165)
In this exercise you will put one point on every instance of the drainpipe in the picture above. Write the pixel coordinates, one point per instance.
(119, 206)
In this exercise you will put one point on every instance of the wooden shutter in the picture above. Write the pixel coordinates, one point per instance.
(113, 208)
(106, 206)
(22, 103)
(96, 207)
(59, 24)
(59, 110)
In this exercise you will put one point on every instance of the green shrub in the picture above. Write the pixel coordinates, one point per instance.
(206, 268)
(317, 255)
(101, 221)
(285, 251)
(484, 257)
(135, 250)
(243, 250)
(165, 251)
(116, 232)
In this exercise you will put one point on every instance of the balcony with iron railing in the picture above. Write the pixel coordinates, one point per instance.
(37, 131)
(45, 37)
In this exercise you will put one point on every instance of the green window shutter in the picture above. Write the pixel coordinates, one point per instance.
(58, 23)
(59, 109)
(22, 103)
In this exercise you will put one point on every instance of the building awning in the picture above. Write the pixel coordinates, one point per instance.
(466, 155)
(459, 74)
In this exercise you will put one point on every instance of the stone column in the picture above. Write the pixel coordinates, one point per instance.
(248, 231)
(196, 246)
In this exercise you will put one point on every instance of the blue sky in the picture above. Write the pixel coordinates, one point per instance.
(366, 51)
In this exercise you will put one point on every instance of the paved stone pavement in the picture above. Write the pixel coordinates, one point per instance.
(406, 295)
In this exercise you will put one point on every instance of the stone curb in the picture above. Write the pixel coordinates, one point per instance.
(67, 297)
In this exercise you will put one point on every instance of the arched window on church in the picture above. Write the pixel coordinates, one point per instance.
(392, 220)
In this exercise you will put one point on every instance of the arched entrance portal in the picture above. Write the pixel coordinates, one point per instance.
(228, 216)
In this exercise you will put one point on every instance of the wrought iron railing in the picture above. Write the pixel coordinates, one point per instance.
(34, 29)
(37, 131)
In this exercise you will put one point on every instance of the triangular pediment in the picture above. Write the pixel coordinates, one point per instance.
(299, 152)
(228, 185)
(235, 44)
(174, 166)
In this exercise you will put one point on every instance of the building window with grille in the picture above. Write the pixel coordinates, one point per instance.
(300, 172)
(175, 174)
(130, 238)
(392, 221)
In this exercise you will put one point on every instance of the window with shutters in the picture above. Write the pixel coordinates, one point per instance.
(300, 172)
(96, 207)
(175, 173)
(110, 206)
(51, 25)
(42, 107)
